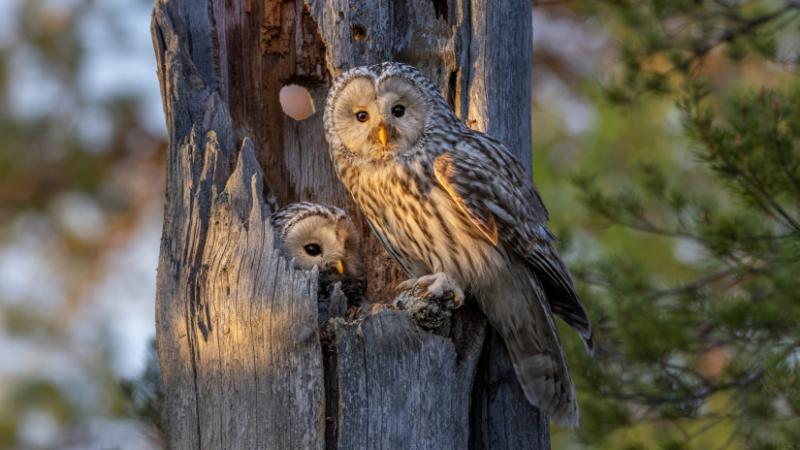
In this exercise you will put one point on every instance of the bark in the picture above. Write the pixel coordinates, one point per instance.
(243, 362)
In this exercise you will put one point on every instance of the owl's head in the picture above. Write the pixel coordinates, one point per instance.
(381, 110)
(318, 235)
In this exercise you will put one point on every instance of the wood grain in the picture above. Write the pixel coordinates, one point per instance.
(237, 337)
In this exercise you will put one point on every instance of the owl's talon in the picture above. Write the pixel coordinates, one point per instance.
(435, 286)
(406, 285)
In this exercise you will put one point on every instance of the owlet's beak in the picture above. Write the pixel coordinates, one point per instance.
(383, 136)
(339, 266)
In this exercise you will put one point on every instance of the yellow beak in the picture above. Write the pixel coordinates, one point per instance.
(339, 266)
(382, 136)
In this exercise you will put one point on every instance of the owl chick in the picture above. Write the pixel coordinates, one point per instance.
(457, 211)
(317, 235)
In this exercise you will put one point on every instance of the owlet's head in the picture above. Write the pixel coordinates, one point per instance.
(318, 235)
(377, 111)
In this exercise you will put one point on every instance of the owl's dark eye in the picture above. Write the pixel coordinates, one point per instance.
(398, 110)
(362, 116)
(312, 249)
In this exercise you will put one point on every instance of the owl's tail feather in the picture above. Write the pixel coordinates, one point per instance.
(545, 382)
(517, 308)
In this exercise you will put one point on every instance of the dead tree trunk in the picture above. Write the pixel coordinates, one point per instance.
(242, 362)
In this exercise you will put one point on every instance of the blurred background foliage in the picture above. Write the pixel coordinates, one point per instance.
(666, 145)
(81, 169)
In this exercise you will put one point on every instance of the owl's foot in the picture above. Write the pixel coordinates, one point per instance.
(438, 285)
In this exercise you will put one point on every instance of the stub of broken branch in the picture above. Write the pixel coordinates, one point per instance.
(430, 313)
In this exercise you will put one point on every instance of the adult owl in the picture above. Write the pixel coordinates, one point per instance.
(318, 235)
(453, 206)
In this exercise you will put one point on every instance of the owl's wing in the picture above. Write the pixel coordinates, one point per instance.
(492, 188)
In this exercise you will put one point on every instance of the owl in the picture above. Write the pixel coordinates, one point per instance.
(317, 235)
(458, 212)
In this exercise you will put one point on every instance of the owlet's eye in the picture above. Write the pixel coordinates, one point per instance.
(362, 116)
(312, 249)
(398, 110)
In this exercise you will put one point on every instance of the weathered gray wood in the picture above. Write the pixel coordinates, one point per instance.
(241, 355)
(495, 78)
(494, 96)
(397, 386)
(237, 337)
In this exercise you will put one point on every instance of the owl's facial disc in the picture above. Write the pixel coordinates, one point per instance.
(377, 121)
(316, 241)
